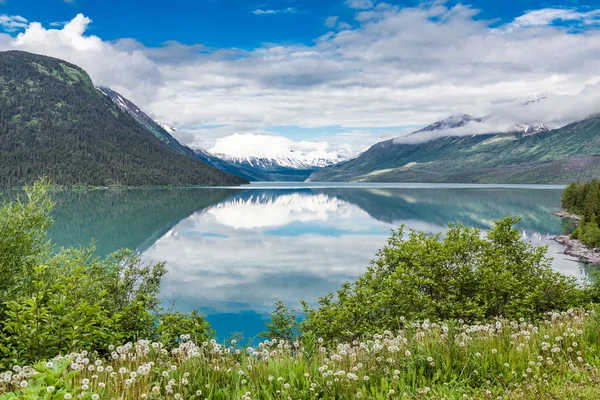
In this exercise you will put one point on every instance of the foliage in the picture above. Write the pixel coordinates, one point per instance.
(584, 200)
(464, 275)
(54, 122)
(52, 303)
(555, 359)
(283, 324)
(23, 225)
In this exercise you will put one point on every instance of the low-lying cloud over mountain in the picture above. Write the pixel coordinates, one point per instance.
(392, 68)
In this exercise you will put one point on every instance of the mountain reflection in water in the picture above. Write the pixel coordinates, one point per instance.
(234, 253)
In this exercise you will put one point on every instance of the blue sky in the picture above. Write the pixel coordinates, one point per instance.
(232, 23)
(330, 77)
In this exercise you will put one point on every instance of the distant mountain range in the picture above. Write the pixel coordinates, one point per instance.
(55, 123)
(529, 154)
(296, 167)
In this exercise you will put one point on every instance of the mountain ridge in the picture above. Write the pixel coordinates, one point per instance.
(548, 156)
(55, 123)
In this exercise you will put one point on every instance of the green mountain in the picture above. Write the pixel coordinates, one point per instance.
(161, 133)
(552, 157)
(54, 122)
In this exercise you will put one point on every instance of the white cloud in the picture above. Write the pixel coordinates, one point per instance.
(395, 67)
(343, 26)
(288, 10)
(254, 212)
(58, 24)
(106, 63)
(360, 4)
(13, 23)
(547, 16)
(331, 22)
(214, 261)
(270, 146)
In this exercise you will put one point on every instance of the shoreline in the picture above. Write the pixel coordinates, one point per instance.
(565, 215)
(577, 249)
(574, 247)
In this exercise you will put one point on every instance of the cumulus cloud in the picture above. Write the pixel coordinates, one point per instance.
(395, 67)
(270, 146)
(106, 63)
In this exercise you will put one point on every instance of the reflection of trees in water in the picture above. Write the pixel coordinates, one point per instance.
(590, 271)
(136, 218)
(132, 219)
(568, 226)
(473, 207)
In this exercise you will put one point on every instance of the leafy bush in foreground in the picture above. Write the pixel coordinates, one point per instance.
(555, 359)
(464, 275)
(53, 303)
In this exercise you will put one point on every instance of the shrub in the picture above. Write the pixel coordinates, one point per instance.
(53, 303)
(464, 275)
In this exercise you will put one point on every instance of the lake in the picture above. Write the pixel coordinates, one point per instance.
(234, 252)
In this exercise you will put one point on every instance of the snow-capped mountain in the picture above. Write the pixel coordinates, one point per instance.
(275, 153)
(296, 167)
(455, 121)
(148, 123)
(294, 161)
(528, 129)
(466, 120)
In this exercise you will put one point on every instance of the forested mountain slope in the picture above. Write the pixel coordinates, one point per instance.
(54, 122)
(558, 156)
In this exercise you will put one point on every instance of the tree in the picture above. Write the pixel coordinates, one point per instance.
(584, 200)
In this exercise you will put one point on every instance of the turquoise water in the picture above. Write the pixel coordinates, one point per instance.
(234, 252)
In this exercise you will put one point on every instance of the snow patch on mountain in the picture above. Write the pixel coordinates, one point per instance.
(467, 125)
(452, 122)
(301, 161)
(168, 128)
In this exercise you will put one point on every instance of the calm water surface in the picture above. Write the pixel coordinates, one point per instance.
(233, 253)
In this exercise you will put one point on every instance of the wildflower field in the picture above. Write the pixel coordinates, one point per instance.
(557, 358)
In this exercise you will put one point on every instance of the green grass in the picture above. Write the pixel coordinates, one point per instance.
(557, 358)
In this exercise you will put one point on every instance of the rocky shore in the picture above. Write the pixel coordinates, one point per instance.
(579, 250)
(566, 215)
(574, 247)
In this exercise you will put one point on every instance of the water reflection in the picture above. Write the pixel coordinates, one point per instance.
(233, 253)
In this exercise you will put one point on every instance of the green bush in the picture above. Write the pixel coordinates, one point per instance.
(53, 303)
(464, 275)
